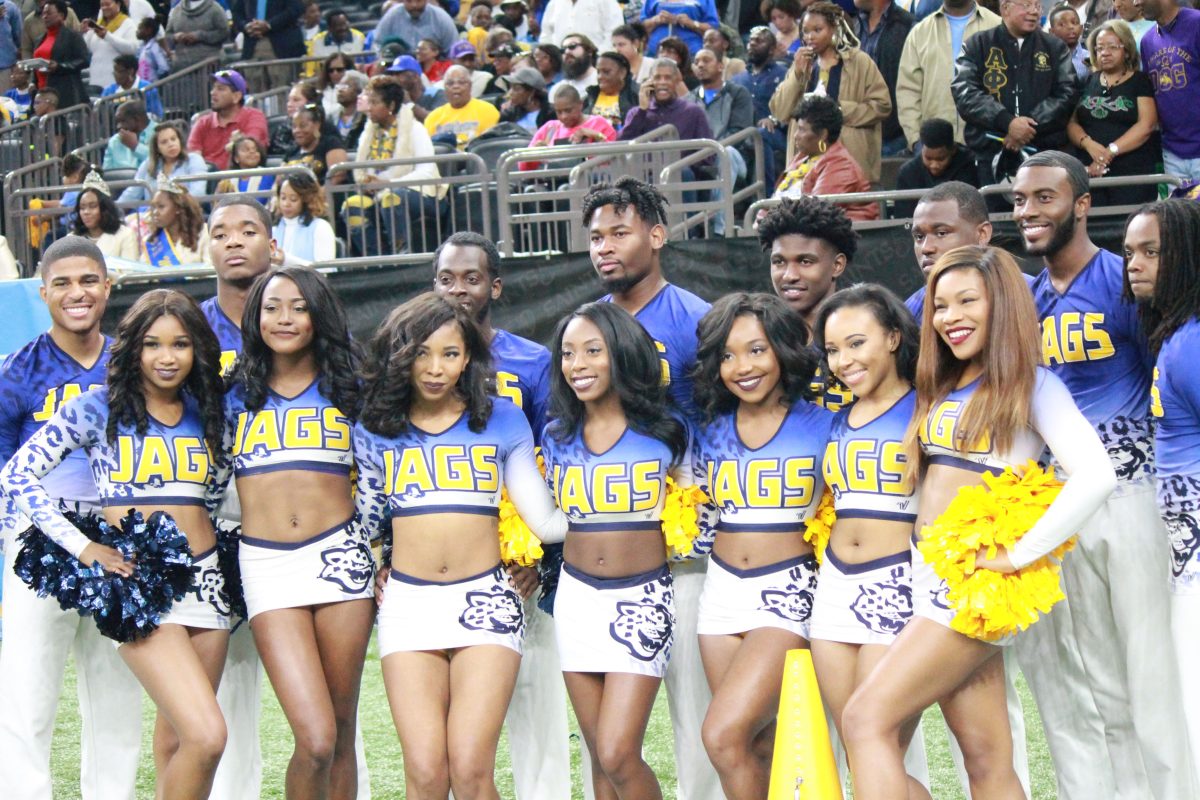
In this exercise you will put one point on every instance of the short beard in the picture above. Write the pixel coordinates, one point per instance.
(576, 69)
(621, 285)
(758, 61)
(1062, 237)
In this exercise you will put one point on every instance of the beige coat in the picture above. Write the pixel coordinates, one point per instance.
(926, 70)
(864, 100)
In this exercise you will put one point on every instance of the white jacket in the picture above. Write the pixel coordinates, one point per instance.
(105, 50)
(595, 19)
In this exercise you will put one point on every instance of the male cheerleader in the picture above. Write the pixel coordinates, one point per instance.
(951, 214)
(627, 230)
(466, 271)
(1117, 598)
(56, 366)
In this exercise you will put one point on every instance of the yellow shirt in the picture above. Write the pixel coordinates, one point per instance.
(609, 107)
(465, 123)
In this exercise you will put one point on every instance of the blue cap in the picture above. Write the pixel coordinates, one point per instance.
(403, 64)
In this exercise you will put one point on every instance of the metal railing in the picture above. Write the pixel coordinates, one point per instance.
(19, 145)
(185, 92)
(21, 177)
(756, 183)
(262, 75)
(273, 102)
(66, 129)
(104, 110)
(207, 190)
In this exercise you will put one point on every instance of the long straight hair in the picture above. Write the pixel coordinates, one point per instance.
(1000, 407)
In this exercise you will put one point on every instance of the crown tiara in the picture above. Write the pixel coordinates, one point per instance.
(94, 181)
(169, 185)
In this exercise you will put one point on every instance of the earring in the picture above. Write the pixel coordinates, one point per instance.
(822, 147)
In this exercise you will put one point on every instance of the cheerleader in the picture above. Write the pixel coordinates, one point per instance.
(983, 403)
(608, 453)
(434, 449)
(150, 436)
(864, 598)
(306, 565)
(758, 455)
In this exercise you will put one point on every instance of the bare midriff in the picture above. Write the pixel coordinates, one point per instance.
(293, 505)
(192, 520)
(938, 487)
(445, 547)
(753, 549)
(615, 554)
(857, 540)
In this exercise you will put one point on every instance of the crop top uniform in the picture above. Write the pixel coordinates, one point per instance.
(864, 466)
(1055, 422)
(168, 465)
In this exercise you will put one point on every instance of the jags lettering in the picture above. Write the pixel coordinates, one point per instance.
(939, 428)
(764, 482)
(294, 429)
(1155, 398)
(227, 359)
(662, 360)
(1074, 337)
(868, 466)
(413, 471)
(59, 395)
(509, 385)
(612, 488)
(183, 459)
(995, 77)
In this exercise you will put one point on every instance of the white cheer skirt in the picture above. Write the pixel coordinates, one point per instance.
(868, 603)
(773, 596)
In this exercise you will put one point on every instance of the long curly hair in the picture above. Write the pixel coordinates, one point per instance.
(126, 392)
(191, 217)
(387, 372)
(786, 334)
(336, 355)
(635, 374)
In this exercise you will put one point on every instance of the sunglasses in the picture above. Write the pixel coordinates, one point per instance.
(337, 69)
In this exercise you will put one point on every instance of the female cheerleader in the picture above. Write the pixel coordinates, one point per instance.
(758, 455)
(434, 449)
(983, 404)
(150, 437)
(608, 453)
(864, 598)
(306, 564)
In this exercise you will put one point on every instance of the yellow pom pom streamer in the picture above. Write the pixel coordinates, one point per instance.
(680, 520)
(518, 544)
(991, 605)
(818, 527)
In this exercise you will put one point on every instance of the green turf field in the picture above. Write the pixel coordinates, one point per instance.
(385, 764)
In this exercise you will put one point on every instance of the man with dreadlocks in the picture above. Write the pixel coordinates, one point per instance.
(1162, 272)
(627, 225)
(1115, 639)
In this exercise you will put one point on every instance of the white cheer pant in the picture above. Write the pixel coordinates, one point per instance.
(1116, 579)
(37, 637)
(538, 736)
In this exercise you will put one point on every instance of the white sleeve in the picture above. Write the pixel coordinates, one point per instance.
(1078, 449)
(422, 147)
(527, 488)
(324, 248)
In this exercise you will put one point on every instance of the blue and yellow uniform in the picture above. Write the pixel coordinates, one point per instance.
(1175, 401)
(306, 432)
(828, 392)
(229, 335)
(671, 319)
(869, 602)
(522, 375)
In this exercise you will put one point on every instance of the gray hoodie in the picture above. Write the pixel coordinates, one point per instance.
(205, 18)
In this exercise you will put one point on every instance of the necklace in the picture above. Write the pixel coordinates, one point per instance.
(1106, 85)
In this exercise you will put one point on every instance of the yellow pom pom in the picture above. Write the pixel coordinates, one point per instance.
(680, 520)
(819, 526)
(991, 605)
(518, 544)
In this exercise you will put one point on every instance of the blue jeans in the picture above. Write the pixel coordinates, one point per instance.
(403, 227)
(1186, 168)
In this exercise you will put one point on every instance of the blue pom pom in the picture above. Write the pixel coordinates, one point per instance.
(229, 539)
(549, 568)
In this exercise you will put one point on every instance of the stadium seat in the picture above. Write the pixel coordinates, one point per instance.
(490, 150)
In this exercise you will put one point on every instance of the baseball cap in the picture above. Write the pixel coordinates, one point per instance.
(462, 49)
(505, 51)
(231, 78)
(520, 3)
(403, 64)
(528, 76)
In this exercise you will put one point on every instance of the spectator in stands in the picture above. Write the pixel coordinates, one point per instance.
(391, 132)
(882, 30)
(302, 234)
(246, 152)
(229, 113)
(196, 30)
(315, 147)
(822, 164)
(332, 70)
(500, 62)
(74, 170)
(630, 41)
(1091, 13)
(152, 60)
(615, 93)
(33, 28)
(940, 160)
(112, 35)
(129, 147)
(339, 37)
(674, 48)
(463, 117)
(1063, 21)
(785, 24)
(1036, 91)
(348, 120)
(125, 71)
(927, 65)
(423, 98)
(20, 93)
(45, 102)
(167, 160)
(571, 124)
(1171, 55)
(831, 63)
(717, 40)
(578, 64)
(99, 219)
(414, 20)
(1131, 12)
(595, 19)
(10, 41)
(686, 19)
(514, 15)
(479, 22)
(1114, 123)
(463, 54)
(272, 33)
(310, 19)
(549, 61)
(429, 56)
(527, 104)
(728, 106)
(659, 104)
(762, 78)
(67, 54)
(301, 94)
(176, 233)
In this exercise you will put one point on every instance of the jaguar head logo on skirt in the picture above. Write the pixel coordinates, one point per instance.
(209, 587)
(349, 567)
(643, 628)
(1184, 535)
(497, 611)
(794, 601)
(884, 607)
